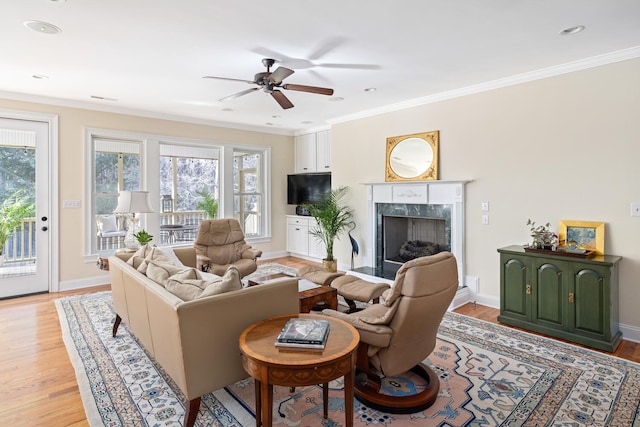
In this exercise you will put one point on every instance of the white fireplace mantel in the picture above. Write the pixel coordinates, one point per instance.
(423, 192)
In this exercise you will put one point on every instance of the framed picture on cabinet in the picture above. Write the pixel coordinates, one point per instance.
(587, 235)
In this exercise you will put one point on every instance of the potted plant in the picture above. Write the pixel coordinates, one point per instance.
(13, 209)
(543, 237)
(143, 237)
(208, 203)
(333, 218)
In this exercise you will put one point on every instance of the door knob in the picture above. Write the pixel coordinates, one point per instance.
(44, 228)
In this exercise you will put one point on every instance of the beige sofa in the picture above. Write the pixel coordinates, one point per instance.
(195, 342)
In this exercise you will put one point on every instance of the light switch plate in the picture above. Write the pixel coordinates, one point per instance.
(635, 209)
(70, 204)
(484, 206)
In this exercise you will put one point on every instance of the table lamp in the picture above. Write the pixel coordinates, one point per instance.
(130, 203)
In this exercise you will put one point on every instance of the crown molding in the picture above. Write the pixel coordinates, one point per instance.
(15, 96)
(570, 67)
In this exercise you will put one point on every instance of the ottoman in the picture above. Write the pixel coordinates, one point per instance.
(352, 289)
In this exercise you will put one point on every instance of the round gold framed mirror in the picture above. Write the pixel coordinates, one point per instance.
(412, 157)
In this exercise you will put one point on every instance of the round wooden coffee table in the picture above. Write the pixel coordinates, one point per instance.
(270, 365)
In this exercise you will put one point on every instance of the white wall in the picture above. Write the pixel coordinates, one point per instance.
(561, 148)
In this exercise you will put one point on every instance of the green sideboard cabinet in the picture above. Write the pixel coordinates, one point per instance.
(572, 298)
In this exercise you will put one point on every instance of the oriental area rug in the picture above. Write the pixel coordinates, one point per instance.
(490, 375)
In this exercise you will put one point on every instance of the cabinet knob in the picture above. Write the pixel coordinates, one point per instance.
(571, 297)
(528, 289)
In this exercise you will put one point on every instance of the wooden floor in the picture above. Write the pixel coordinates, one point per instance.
(37, 382)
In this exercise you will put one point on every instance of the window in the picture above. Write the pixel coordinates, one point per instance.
(116, 168)
(187, 176)
(178, 170)
(248, 193)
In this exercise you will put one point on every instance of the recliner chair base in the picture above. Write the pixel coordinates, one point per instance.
(367, 391)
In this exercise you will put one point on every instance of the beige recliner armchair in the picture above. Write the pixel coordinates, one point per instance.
(220, 244)
(398, 334)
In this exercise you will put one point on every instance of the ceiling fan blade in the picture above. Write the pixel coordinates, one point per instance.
(351, 66)
(281, 99)
(280, 74)
(227, 78)
(239, 94)
(326, 47)
(310, 89)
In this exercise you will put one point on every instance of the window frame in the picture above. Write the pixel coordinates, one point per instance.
(150, 179)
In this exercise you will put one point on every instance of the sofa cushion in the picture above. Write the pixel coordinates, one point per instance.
(138, 256)
(188, 284)
(160, 272)
(377, 314)
(168, 251)
(151, 254)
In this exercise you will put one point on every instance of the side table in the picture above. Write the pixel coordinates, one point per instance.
(270, 365)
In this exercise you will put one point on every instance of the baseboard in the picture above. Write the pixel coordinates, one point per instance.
(630, 333)
(273, 255)
(70, 285)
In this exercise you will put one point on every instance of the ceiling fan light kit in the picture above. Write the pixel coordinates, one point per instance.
(271, 82)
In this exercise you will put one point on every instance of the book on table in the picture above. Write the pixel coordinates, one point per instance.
(304, 333)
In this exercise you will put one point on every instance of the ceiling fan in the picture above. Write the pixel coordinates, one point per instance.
(270, 82)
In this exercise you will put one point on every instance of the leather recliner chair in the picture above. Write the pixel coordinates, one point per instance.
(398, 334)
(220, 243)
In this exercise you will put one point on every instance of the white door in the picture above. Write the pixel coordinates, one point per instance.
(24, 167)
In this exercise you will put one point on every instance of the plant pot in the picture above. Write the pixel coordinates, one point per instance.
(331, 265)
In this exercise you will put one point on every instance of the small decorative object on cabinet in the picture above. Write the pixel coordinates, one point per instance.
(582, 235)
(575, 299)
(543, 237)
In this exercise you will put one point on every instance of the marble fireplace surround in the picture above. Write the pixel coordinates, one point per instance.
(402, 197)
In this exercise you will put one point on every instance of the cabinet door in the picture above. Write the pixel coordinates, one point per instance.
(514, 288)
(305, 147)
(316, 247)
(591, 302)
(323, 151)
(550, 293)
(298, 239)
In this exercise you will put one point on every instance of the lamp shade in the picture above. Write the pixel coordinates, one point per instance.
(133, 202)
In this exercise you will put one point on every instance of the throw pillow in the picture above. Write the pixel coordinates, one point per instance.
(107, 223)
(138, 256)
(168, 251)
(227, 283)
(153, 255)
(160, 272)
(187, 285)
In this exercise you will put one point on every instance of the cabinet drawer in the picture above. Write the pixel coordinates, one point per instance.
(303, 222)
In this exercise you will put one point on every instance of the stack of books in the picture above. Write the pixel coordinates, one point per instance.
(304, 333)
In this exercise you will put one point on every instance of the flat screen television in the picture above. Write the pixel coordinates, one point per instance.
(307, 187)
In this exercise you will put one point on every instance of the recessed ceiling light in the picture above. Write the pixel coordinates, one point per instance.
(40, 77)
(42, 27)
(227, 109)
(270, 124)
(370, 89)
(336, 99)
(572, 30)
(306, 122)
